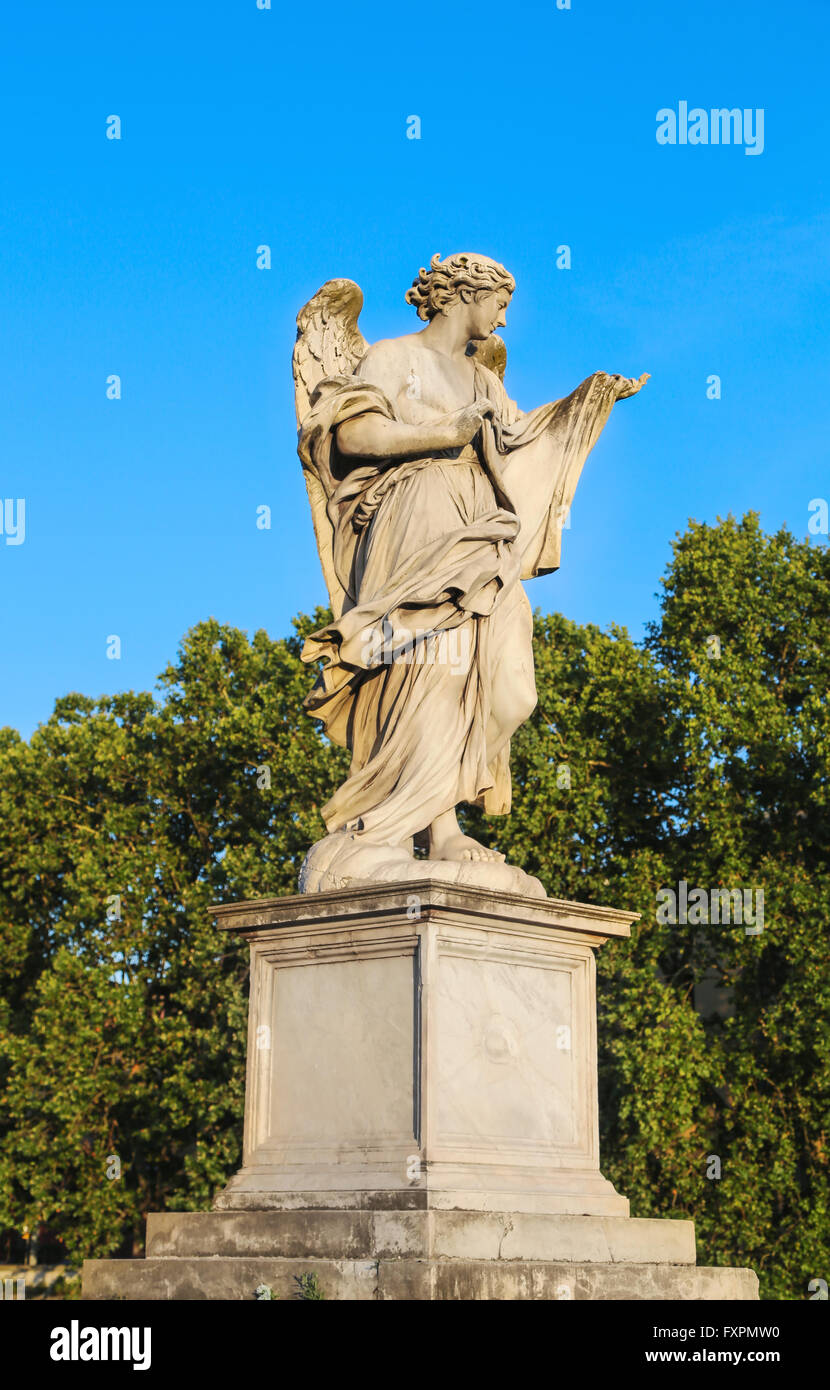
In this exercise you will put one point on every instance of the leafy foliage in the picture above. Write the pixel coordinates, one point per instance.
(124, 1039)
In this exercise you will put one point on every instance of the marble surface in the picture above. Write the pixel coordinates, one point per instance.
(432, 497)
(436, 1050)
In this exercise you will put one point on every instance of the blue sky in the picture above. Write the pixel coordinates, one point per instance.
(287, 127)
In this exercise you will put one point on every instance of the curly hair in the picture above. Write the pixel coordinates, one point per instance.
(465, 275)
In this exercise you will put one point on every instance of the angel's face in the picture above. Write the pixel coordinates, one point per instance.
(487, 313)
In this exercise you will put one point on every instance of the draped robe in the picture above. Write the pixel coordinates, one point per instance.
(427, 668)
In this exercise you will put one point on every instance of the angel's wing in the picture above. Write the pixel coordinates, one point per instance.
(329, 344)
(492, 353)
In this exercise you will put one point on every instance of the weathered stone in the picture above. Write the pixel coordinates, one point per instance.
(423, 1280)
(464, 1280)
(420, 1116)
(217, 1278)
(441, 1044)
(294, 1234)
(466, 1235)
(432, 496)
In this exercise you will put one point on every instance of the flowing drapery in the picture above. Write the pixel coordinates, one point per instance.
(424, 560)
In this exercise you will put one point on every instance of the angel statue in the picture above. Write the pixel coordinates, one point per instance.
(433, 496)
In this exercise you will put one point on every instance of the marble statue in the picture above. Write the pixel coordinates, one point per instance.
(433, 496)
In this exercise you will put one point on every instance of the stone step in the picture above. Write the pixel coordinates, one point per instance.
(402, 1279)
(468, 1235)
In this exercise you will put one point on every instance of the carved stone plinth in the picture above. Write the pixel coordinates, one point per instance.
(422, 1049)
(420, 1115)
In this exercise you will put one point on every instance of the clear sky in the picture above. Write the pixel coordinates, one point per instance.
(287, 127)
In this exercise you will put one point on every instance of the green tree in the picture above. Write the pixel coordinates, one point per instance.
(122, 1032)
(752, 733)
(704, 761)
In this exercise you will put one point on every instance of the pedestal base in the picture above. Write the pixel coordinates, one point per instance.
(420, 1115)
(432, 1048)
(415, 1255)
(572, 1194)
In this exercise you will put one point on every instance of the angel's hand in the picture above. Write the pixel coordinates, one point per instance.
(629, 385)
(463, 425)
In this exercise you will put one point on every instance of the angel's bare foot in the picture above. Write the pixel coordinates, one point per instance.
(447, 842)
(464, 848)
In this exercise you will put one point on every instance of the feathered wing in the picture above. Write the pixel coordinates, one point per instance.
(329, 344)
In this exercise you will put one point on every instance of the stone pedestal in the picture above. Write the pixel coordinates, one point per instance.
(421, 1114)
(432, 1050)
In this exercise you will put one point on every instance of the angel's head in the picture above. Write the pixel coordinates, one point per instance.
(467, 283)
